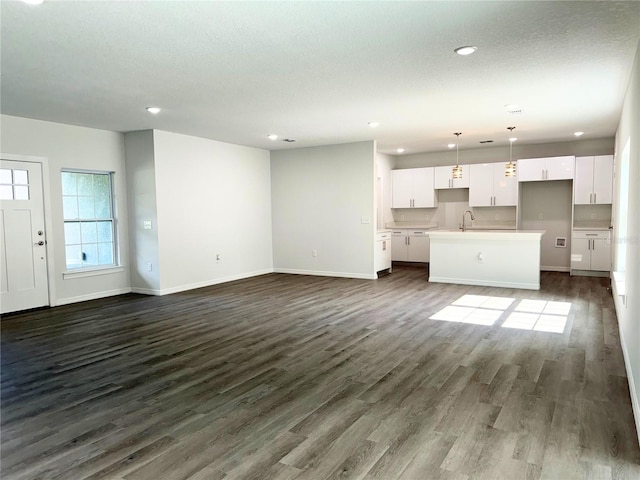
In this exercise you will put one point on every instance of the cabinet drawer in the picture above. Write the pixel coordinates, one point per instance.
(598, 234)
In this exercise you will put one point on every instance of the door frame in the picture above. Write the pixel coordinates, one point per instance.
(48, 224)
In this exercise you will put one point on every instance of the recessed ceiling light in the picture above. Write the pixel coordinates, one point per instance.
(153, 110)
(400, 150)
(272, 137)
(451, 145)
(373, 124)
(513, 139)
(466, 50)
(578, 134)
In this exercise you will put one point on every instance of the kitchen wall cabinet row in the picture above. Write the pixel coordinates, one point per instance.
(592, 181)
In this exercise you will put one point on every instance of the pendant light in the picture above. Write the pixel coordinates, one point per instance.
(510, 168)
(457, 170)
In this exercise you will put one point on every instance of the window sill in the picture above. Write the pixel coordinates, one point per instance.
(69, 274)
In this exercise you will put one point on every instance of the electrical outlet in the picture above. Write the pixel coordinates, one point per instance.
(497, 217)
(402, 218)
(540, 216)
(593, 216)
(149, 267)
(218, 257)
(314, 253)
(365, 220)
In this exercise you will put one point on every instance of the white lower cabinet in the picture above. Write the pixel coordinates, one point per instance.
(410, 245)
(591, 250)
(382, 252)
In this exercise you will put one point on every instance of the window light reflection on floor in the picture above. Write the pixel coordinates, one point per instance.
(538, 315)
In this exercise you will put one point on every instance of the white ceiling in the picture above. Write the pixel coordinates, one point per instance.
(318, 72)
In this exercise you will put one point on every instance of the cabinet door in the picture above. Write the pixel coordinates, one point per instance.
(481, 185)
(580, 253)
(424, 195)
(600, 255)
(443, 177)
(401, 188)
(399, 248)
(505, 189)
(531, 169)
(603, 179)
(418, 248)
(583, 183)
(561, 168)
(464, 181)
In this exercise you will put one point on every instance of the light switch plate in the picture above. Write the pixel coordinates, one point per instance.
(146, 224)
(365, 220)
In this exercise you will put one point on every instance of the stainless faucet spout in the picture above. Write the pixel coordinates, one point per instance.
(464, 226)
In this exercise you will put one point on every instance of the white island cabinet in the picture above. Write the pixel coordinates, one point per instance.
(410, 245)
(508, 259)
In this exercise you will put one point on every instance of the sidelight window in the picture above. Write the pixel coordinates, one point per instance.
(89, 223)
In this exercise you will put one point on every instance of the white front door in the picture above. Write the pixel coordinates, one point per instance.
(23, 250)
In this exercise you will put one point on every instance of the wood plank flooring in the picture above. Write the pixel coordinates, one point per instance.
(297, 377)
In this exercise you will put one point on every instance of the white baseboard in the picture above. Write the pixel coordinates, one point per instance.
(485, 283)
(552, 268)
(92, 296)
(635, 401)
(206, 283)
(321, 273)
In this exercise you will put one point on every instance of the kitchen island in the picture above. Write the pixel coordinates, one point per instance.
(496, 258)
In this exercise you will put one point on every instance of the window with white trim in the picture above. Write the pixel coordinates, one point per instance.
(89, 223)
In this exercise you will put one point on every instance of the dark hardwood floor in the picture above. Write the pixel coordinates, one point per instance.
(283, 377)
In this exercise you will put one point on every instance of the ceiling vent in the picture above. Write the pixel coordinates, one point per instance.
(486, 141)
(288, 140)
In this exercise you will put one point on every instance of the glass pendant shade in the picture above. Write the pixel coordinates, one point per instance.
(510, 167)
(457, 170)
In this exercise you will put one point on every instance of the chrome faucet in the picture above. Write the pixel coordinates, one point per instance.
(464, 227)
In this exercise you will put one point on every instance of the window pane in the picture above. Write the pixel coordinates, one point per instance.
(21, 192)
(101, 185)
(21, 177)
(6, 192)
(90, 254)
(88, 232)
(103, 207)
(85, 207)
(85, 184)
(69, 183)
(105, 232)
(74, 256)
(71, 233)
(5, 175)
(70, 208)
(105, 253)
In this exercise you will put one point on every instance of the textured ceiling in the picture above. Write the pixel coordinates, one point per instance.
(319, 71)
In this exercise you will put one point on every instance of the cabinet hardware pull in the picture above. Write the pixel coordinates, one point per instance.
(594, 197)
(591, 198)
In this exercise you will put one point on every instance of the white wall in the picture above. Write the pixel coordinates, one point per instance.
(629, 313)
(67, 146)
(212, 198)
(141, 188)
(319, 195)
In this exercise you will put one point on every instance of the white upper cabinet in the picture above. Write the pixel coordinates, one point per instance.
(413, 188)
(488, 187)
(550, 168)
(594, 180)
(444, 177)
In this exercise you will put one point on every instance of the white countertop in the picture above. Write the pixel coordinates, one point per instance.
(417, 225)
(487, 234)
